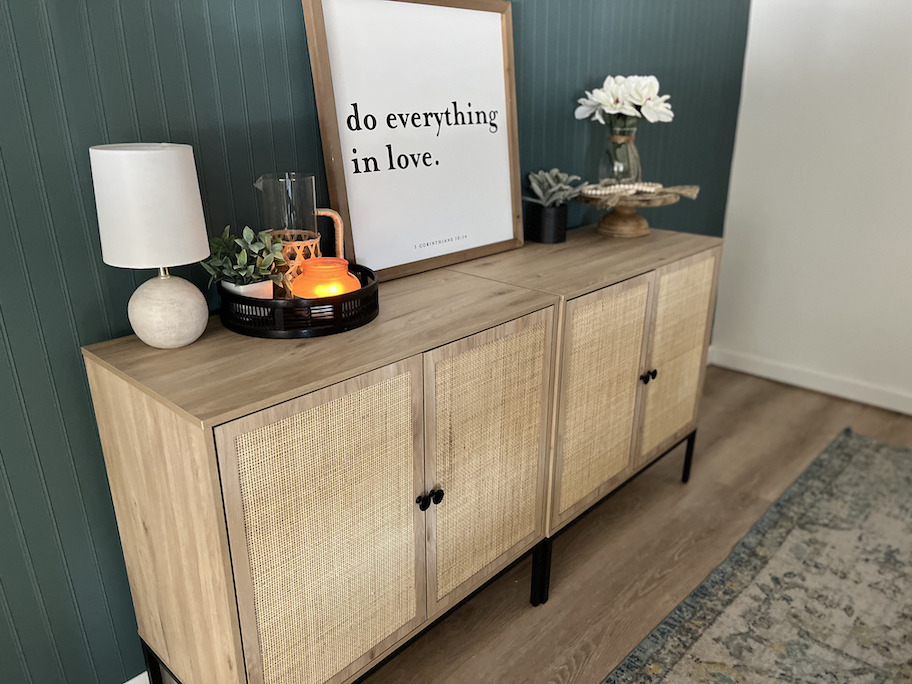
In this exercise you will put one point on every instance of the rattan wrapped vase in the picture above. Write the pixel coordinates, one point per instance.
(297, 247)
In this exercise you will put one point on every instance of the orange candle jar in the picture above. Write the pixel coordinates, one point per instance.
(324, 277)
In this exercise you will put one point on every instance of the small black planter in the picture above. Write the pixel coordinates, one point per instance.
(546, 224)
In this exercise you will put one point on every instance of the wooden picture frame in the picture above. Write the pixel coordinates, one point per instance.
(410, 215)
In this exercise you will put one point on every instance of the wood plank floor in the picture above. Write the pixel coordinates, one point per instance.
(624, 566)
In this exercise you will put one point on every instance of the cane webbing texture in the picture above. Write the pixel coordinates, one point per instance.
(677, 354)
(489, 421)
(328, 501)
(604, 343)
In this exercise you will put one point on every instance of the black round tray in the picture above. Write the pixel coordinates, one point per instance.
(290, 318)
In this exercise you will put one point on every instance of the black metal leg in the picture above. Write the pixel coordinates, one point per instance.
(152, 665)
(541, 572)
(688, 457)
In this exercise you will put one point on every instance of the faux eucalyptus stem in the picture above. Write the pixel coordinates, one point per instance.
(250, 258)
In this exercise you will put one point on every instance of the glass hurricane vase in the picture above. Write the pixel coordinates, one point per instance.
(620, 160)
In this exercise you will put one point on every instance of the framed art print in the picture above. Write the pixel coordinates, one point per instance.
(416, 100)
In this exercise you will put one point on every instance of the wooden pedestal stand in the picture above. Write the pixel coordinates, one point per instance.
(624, 221)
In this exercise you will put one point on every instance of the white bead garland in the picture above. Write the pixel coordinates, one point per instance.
(620, 189)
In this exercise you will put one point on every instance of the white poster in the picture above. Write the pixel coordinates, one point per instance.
(421, 108)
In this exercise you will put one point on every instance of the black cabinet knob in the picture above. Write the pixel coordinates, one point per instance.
(645, 378)
(436, 495)
(423, 502)
(654, 373)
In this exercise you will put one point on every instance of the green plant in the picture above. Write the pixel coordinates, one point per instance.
(251, 258)
(553, 188)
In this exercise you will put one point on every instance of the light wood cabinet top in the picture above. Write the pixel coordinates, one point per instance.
(224, 375)
(586, 261)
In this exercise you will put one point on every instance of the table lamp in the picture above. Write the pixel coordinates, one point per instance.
(150, 216)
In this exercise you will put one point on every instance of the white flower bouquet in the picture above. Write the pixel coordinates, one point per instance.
(622, 100)
(620, 105)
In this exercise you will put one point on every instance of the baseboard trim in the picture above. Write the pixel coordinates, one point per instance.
(141, 678)
(847, 388)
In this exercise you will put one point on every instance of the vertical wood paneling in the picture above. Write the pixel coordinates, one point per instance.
(50, 384)
(232, 78)
(211, 151)
(26, 518)
(25, 607)
(11, 653)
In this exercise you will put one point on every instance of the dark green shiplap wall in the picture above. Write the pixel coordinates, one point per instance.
(694, 47)
(231, 77)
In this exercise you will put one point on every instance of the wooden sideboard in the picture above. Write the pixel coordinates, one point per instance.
(294, 510)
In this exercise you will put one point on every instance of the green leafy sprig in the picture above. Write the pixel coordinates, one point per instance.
(251, 258)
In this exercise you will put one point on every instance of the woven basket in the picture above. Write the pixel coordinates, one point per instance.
(297, 247)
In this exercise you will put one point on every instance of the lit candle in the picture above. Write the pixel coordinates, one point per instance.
(324, 277)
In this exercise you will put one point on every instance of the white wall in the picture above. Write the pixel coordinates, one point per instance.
(816, 282)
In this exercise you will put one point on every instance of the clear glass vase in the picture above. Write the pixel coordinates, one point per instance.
(620, 161)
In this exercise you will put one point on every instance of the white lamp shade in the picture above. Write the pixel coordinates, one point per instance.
(149, 210)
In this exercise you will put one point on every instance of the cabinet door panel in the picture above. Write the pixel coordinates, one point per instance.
(603, 357)
(327, 543)
(486, 402)
(683, 315)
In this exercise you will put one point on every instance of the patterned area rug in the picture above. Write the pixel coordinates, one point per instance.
(820, 589)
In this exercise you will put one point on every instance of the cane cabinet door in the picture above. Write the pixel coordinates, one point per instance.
(486, 405)
(327, 542)
(603, 357)
(684, 303)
